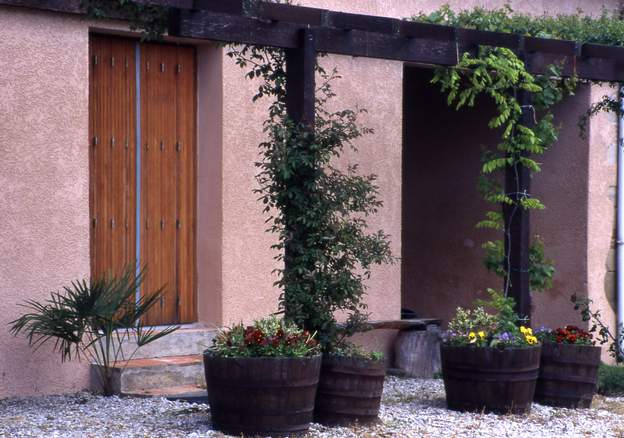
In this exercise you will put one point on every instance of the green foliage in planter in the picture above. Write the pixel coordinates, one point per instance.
(94, 320)
(269, 337)
(611, 380)
(349, 349)
(317, 210)
(491, 324)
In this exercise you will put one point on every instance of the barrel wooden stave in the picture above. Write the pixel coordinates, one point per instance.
(568, 375)
(489, 379)
(262, 396)
(349, 391)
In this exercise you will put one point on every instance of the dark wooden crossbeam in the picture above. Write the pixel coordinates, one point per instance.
(362, 35)
(396, 40)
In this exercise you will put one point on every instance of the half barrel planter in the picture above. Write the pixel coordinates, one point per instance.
(568, 375)
(349, 391)
(261, 396)
(494, 380)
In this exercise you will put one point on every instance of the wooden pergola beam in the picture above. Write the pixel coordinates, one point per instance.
(410, 42)
(341, 33)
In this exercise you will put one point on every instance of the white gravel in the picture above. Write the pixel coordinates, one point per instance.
(411, 408)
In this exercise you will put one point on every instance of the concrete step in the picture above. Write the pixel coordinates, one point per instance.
(182, 342)
(188, 393)
(141, 375)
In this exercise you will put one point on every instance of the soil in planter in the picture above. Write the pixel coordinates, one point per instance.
(349, 391)
(490, 380)
(262, 396)
(568, 375)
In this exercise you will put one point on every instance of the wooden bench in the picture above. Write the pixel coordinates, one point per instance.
(403, 324)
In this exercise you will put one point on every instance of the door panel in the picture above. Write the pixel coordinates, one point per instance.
(111, 162)
(186, 183)
(167, 175)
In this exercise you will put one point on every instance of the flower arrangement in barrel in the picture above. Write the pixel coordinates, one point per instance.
(491, 324)
(269, 337)
(569, 334)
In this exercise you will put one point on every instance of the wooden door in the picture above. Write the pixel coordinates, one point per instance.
(157, 171)
(112, 155)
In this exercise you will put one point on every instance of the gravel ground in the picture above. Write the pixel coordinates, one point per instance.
(411, 408)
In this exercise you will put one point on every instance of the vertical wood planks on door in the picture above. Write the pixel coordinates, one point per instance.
(186, 183)
(167, 186)
(111, 124)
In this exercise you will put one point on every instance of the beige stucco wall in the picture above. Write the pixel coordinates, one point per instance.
(44, 191)
(602, 170)
(44, 234)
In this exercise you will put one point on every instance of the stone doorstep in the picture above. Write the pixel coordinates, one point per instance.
(188, 393)
(182, 342)
(138, 376)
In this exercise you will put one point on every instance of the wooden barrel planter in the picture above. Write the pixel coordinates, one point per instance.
(349, 391)
(568, 375)
(262, 396)
(490, 379)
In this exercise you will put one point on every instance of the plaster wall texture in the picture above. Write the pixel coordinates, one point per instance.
(44, 190)
(44, 175)
(602, 170)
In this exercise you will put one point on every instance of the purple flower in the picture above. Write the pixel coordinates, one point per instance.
(505, 337)
(542, 329)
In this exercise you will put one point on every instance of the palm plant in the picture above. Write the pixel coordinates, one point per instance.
(94, 319)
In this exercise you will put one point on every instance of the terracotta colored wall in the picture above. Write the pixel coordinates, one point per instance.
(44, 191)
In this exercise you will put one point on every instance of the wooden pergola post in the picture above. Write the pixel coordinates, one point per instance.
(300, 81)
(300, 101)
(517, 226)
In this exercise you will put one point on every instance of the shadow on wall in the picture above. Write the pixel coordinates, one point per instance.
(442, 256)
(441, 259)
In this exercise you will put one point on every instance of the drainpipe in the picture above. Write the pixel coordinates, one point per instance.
(619, 248)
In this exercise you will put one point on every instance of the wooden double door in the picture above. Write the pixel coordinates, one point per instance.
(142, 123)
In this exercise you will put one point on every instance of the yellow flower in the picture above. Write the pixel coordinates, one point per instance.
(523, 330)
(472, 337)
(481, 334)
(531, 340)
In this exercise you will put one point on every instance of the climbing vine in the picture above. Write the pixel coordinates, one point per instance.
(151, 20)
(500, 74)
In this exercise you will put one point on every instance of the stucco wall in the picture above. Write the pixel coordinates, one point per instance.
(602, 169)
(44, 236)
(44, 191)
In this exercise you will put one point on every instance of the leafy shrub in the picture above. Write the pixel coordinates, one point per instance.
(269, 337)
(349, 349)
(317, 210)
(93, 319)
(611, 380)
(480, 328)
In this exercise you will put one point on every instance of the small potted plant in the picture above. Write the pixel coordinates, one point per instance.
(490, 363)
(350, 386)
(262, 378)
(569, 367)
